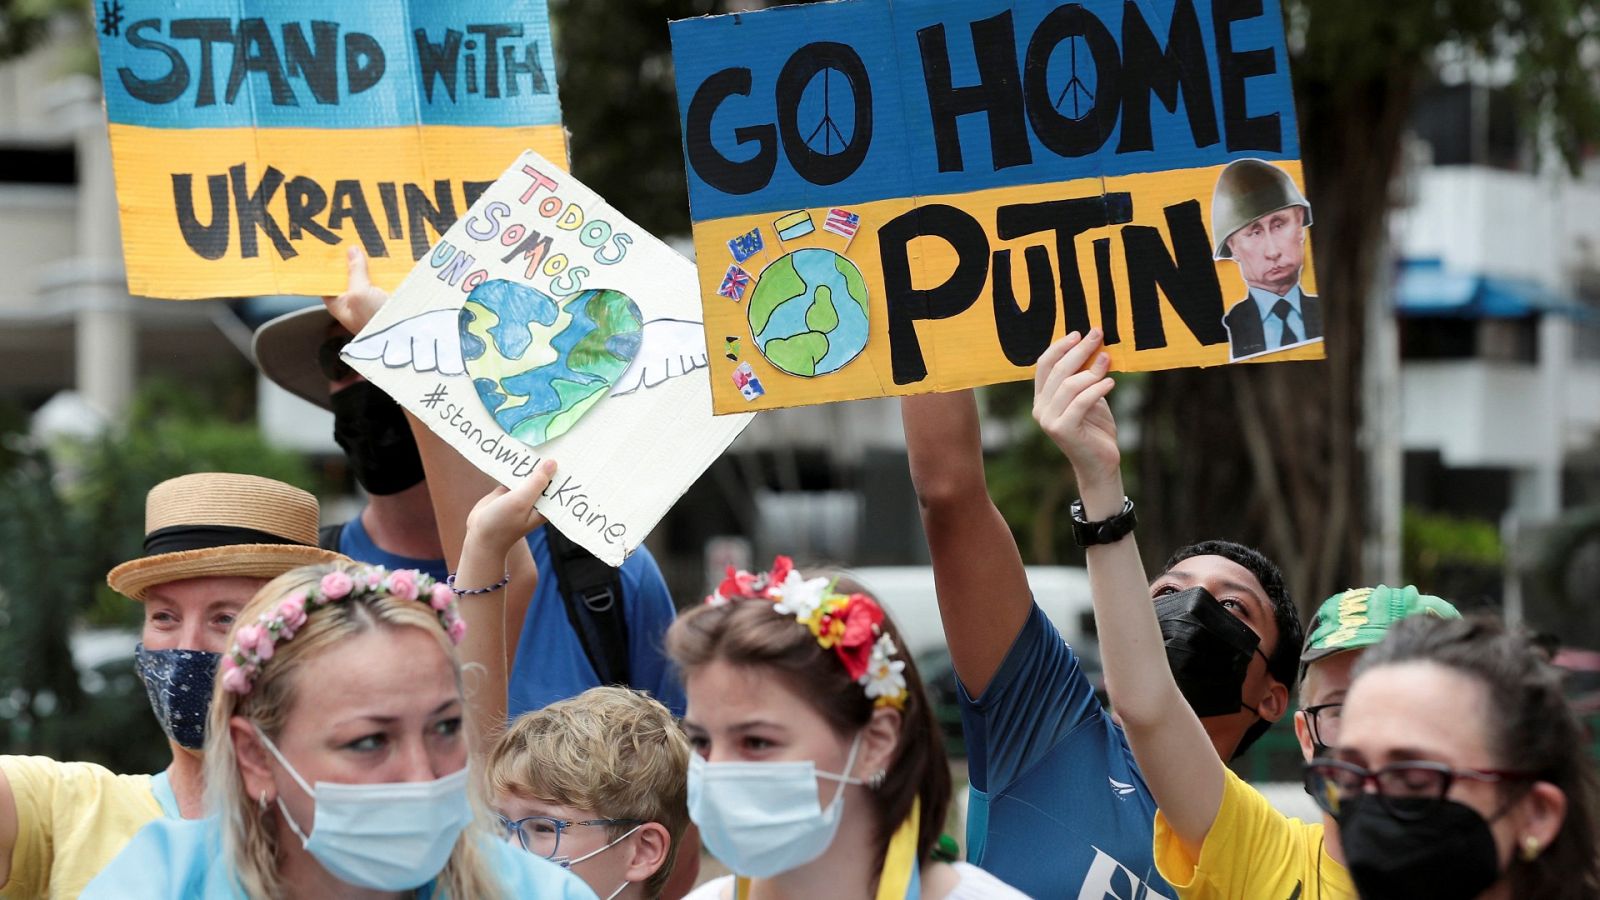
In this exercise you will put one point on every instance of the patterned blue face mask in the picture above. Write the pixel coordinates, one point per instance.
(179, 685)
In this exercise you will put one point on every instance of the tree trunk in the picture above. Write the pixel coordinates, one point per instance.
(1267, 454)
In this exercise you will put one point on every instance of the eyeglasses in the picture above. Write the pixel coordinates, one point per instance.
(542, 834)
(1322, 721)
(1408, 790)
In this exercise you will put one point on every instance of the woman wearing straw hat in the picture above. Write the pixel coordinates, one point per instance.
(337, 754)
(211, 541)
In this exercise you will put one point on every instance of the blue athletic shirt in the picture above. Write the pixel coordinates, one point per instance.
(1057, 806)
(551, 664)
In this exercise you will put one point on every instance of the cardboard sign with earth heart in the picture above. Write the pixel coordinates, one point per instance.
(544, 323)
(593, 337)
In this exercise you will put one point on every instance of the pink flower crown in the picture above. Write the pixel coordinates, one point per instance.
(849, 625)
(254, 643)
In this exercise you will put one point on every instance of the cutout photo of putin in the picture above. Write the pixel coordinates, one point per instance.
(1259, 218)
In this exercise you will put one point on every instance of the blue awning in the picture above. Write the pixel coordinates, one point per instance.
(1426, 288)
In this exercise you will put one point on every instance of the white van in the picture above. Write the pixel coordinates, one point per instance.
(906, 592)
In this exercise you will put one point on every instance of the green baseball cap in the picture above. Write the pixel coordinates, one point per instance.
(1359, 617)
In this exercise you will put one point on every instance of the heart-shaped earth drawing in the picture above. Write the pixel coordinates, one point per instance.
(540, 364)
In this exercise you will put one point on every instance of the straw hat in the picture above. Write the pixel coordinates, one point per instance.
(286, 352)
(215, 524)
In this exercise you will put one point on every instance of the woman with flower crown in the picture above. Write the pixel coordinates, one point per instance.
(338, 742)
(819, 770)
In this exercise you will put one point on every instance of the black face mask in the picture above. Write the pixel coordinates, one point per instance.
(372, 431)
(1208, 649)
(1449, 855)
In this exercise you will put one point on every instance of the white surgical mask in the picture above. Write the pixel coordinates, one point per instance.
(566, 862)
(763, 818)
(387, 837)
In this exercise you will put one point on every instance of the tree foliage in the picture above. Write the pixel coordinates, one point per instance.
(1455, 557)
(621, 106)
(24, 24)
(1271, 454)
(68, 516)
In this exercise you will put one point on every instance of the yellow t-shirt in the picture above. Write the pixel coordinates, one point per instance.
(72, 819)
(1253, 852)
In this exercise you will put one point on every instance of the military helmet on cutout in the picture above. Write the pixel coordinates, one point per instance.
(1246, 190)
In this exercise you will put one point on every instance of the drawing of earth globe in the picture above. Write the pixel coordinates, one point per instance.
(808, 312)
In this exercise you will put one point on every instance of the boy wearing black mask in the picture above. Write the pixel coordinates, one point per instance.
(300, 352)
(1058, 806)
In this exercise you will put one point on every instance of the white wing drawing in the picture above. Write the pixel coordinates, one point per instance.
(427, 342)
(667, 348)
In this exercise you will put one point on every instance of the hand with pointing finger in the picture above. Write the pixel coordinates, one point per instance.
(361, 300)
(426, 342)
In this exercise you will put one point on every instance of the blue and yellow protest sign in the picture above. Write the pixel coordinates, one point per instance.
(254, 140)
(920, 195)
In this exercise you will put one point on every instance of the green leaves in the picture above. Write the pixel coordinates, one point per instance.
(1550, 48)
(66, 517)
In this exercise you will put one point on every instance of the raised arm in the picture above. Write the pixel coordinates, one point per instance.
(456, 487)
(1174, 753)
(454, 484)
(458, 491)
(494, 549)
(977, 571)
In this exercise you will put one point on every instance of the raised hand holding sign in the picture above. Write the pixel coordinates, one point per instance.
(545, 325)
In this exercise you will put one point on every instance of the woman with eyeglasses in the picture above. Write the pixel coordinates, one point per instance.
(1461, 772)
(595, 783)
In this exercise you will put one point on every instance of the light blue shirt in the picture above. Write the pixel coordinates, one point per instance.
(1271, 325)
(183, 859)
(551, 664)
(161, 786)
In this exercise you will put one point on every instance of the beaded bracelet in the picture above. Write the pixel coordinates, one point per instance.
(468, 592)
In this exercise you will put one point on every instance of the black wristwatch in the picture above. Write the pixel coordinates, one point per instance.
(1105, 531)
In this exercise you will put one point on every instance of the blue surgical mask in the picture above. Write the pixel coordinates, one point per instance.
(388, 837)
(764, 818)
(179, 685)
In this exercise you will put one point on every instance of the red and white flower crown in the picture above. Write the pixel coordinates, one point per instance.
(254, 643)
(849, 625)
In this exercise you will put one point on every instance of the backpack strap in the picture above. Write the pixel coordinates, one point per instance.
(592, 593)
